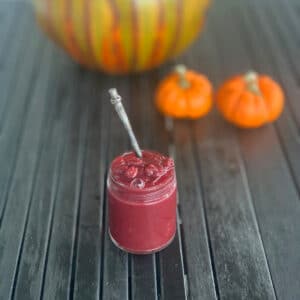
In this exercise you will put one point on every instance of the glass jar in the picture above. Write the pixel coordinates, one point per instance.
(142, 202)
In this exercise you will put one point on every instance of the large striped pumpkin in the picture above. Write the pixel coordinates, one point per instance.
(121, 36)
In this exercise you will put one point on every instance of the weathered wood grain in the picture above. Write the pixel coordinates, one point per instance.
(238, 253)
(7, 15)
(289, 123)
(12, 121)
(115, 281)
(33, 255)
(241, 268)
(169, 263)
(10, 64)
(87, 265)
(143, 268)
(194, 228)
(58, 270)
(197, 247)
(273, 187)
(19, 195)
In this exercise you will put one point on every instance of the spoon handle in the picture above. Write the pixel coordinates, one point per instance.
(116, 101)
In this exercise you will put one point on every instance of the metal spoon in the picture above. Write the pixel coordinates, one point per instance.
(116, 101)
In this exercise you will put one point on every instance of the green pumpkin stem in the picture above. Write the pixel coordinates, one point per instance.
(251, 79)
(181, 71)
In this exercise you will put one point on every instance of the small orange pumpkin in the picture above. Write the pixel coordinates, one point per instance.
(250, 100)
(184, 94)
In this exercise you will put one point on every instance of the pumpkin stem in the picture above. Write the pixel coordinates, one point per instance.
(181, 71)
(251, 79)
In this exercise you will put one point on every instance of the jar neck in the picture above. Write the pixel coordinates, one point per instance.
(153, 194)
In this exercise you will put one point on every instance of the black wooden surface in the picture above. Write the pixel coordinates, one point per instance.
(238, 231)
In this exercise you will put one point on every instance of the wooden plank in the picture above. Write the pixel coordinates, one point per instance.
(169, 262)
(7, 17)
(16, 113)
(288, 124)
(274, 194)
(240, 263)
(194, 228)
(143, 277)
(90, 227)
(284, 57)
(197, 249)
(172, 279)
(270, 67)
(285, 33)
(23, 181)
(28, 281)
(11, 64)
(277, 208)
(238, 253)
(57, 281)
(115, 282)
(143, 268)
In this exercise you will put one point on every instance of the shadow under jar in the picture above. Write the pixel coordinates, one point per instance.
(142, 202)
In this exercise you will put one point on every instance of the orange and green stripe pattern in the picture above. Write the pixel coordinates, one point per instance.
(122, 36)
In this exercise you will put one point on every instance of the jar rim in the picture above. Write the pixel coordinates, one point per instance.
(170, 170)
(149, 195)
(147, 189)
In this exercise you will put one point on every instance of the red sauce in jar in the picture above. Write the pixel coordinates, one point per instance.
(142, 202)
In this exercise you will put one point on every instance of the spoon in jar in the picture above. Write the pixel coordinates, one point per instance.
(116, 101)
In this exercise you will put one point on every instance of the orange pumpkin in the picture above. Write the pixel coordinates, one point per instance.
(122, 36)
(250, 100)
(184, 94)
